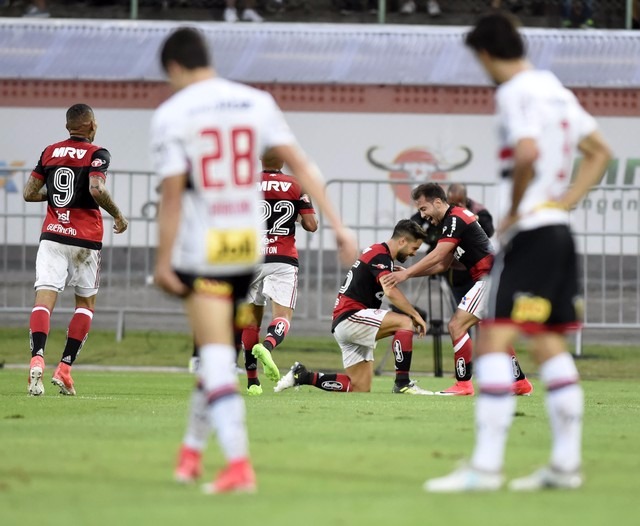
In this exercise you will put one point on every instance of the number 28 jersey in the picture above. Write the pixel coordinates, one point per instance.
(73, 217)
(215, 131)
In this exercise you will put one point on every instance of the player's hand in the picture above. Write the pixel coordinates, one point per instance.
(347, 246)
(393, 278)
(398, 268)
(419, 325)
(120, 224)
(167, 280)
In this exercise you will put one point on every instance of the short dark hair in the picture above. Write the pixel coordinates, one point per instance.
(78, 114)
(409, 228)
(429, 191)
(187, 47)
(497, 34)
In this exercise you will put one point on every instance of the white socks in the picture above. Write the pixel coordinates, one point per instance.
(225, 406)
(495, 406)
(198, 427)
(565, 405)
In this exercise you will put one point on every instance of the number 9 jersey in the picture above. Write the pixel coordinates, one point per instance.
(215, 131)
(73, 216)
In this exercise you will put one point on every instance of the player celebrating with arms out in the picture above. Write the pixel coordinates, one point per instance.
(206, 143)
(359, 322)
(277, 279)
(464, 239)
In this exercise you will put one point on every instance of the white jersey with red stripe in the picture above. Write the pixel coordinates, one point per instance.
(215, 131)
(535, 105)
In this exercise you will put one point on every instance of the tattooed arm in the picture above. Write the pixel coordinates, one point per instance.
(102, 196)
(34, 190)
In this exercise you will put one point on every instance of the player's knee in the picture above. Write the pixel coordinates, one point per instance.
(455, 328)
(406, 324)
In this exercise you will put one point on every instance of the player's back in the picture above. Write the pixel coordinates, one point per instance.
(73, 216)
(280, 207)
(535, 105)
(361, 288)
(215, 131)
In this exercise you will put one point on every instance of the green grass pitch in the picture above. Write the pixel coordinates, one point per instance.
(106, 456)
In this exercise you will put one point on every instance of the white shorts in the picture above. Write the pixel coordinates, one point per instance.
(475, 301)
(58, 265)
(276, 281)
(357, 335)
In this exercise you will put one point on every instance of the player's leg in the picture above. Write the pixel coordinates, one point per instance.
(39, 326)
(84, 276)
(400, 327)
(552, 303)
(77, 334)
(495, 404)
(459, 326)
(356, 337)
(250, 337)
(51, 277)
(565, 406)
(212, 318)
(495, 407)
(335, 382)
(280, 284)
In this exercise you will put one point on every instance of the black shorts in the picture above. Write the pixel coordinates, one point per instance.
(233, 287)
(535, 281)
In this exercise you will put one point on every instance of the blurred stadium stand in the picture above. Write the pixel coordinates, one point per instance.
(534, 13)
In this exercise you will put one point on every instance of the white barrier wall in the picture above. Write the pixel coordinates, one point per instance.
(357, 146)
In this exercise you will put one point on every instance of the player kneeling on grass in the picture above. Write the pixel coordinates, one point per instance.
(359, 322)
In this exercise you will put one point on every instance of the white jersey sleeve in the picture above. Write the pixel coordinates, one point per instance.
(519, 114)
(276, 129)
(168, 155)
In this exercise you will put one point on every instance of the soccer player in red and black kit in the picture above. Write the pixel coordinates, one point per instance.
(70, 176)
(464, 239)
(283, 205)
(359, 322)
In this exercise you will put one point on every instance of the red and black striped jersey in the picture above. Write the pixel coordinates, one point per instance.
(282, 202)
(73, 217)
(472, 246)
(361, 288)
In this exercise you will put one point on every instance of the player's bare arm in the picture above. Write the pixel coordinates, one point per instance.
(169, 212)
(309, 177)
(597, 155)
(35, 190)
(438, 260)
(309, 222)
(102, 196)
(399, 300)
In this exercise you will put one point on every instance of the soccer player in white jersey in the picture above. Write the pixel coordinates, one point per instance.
(534, 281)
(206, 143)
